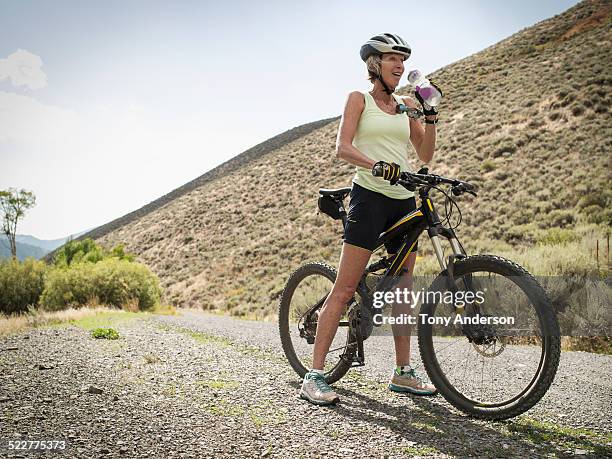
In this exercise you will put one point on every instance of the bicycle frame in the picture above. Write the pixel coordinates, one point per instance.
(409, 228)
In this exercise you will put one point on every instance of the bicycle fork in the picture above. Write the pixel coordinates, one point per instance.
(448, 268)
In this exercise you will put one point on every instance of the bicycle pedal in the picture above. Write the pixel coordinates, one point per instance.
(354, 361)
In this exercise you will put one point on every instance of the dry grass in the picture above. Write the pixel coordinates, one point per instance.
(571, 258)
(12, 324)
(165, 310)
(533, 109)
(18, 323)
(597, 344)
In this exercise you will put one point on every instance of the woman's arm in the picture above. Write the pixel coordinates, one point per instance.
(423, 139)
(348, 126)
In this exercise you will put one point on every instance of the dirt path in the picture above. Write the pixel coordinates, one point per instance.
(198, 385)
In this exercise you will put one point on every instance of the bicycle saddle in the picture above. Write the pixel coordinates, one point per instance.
(337, 192)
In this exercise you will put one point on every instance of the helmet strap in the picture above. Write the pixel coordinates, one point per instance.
(386, 88)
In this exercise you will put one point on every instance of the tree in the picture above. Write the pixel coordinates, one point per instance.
(13, 204)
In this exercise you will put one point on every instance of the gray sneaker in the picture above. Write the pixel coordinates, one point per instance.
(411, 382)
(317, 391)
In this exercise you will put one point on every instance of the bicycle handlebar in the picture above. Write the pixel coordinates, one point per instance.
(411, 181)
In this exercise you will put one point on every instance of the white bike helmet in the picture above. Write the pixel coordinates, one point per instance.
(385, 43)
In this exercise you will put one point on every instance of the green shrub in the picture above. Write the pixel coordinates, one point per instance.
(598, 198)
(111, 281)
(105, 333)
(119, 252)
(21, 284)
(577, 109)
(77, 251)
(557, 236)
(504, 149)
(87, 251)
(487, 165)
(560, 218)
(598, 215)
(520, 233)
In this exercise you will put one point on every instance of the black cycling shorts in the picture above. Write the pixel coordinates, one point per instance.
(371, 213)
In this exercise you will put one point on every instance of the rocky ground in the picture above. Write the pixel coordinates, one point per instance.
(198, 385)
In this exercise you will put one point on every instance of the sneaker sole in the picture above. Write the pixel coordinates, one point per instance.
(409, 390)
(319, 402)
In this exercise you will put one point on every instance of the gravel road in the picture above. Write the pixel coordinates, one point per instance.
(201, 385)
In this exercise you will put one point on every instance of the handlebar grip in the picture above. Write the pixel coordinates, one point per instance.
(377, 170)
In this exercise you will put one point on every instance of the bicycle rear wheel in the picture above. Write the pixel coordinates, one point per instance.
(302, 298)
(490, 371)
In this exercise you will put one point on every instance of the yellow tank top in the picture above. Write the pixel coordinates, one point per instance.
(382, 137)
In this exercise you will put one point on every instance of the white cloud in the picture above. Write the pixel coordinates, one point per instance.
(23, 69)
(26, 121)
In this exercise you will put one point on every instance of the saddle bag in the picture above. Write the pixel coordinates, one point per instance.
(332, 207)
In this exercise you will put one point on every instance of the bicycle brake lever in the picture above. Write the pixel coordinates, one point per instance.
(406, 184)
(459, 190)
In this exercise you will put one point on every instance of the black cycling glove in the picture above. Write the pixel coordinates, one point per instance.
(390, 172)
(431, 110)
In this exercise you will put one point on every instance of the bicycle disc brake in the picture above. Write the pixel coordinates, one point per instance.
(490, 350)
(480, 334)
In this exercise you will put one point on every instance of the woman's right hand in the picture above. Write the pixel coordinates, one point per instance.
(427, 110)
(387, 171)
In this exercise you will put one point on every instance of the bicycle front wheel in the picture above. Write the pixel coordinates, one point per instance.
(501, 366)
(302, 298)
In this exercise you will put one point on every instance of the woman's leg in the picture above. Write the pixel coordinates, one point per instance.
(406, 380)
(353, 261)
(401, 333)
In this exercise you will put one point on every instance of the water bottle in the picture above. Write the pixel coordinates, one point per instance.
(431, 96)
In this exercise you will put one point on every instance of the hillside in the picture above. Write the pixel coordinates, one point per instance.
(526, 119)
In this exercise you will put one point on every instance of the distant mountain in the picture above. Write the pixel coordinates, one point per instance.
(30, 246)
(23, 250)
(47, 245)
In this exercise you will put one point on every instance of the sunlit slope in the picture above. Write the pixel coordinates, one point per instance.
(526, 119)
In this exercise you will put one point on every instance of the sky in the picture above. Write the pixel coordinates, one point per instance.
(106, 106)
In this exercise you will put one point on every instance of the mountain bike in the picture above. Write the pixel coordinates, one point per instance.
(483, 368)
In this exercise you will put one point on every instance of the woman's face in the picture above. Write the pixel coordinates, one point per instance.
(392, 67)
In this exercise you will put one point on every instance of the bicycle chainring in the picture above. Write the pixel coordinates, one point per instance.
(360, 316)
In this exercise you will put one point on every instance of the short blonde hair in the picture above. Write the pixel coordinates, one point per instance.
(373, 64)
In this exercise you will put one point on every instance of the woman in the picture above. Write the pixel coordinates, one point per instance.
(372, 133)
